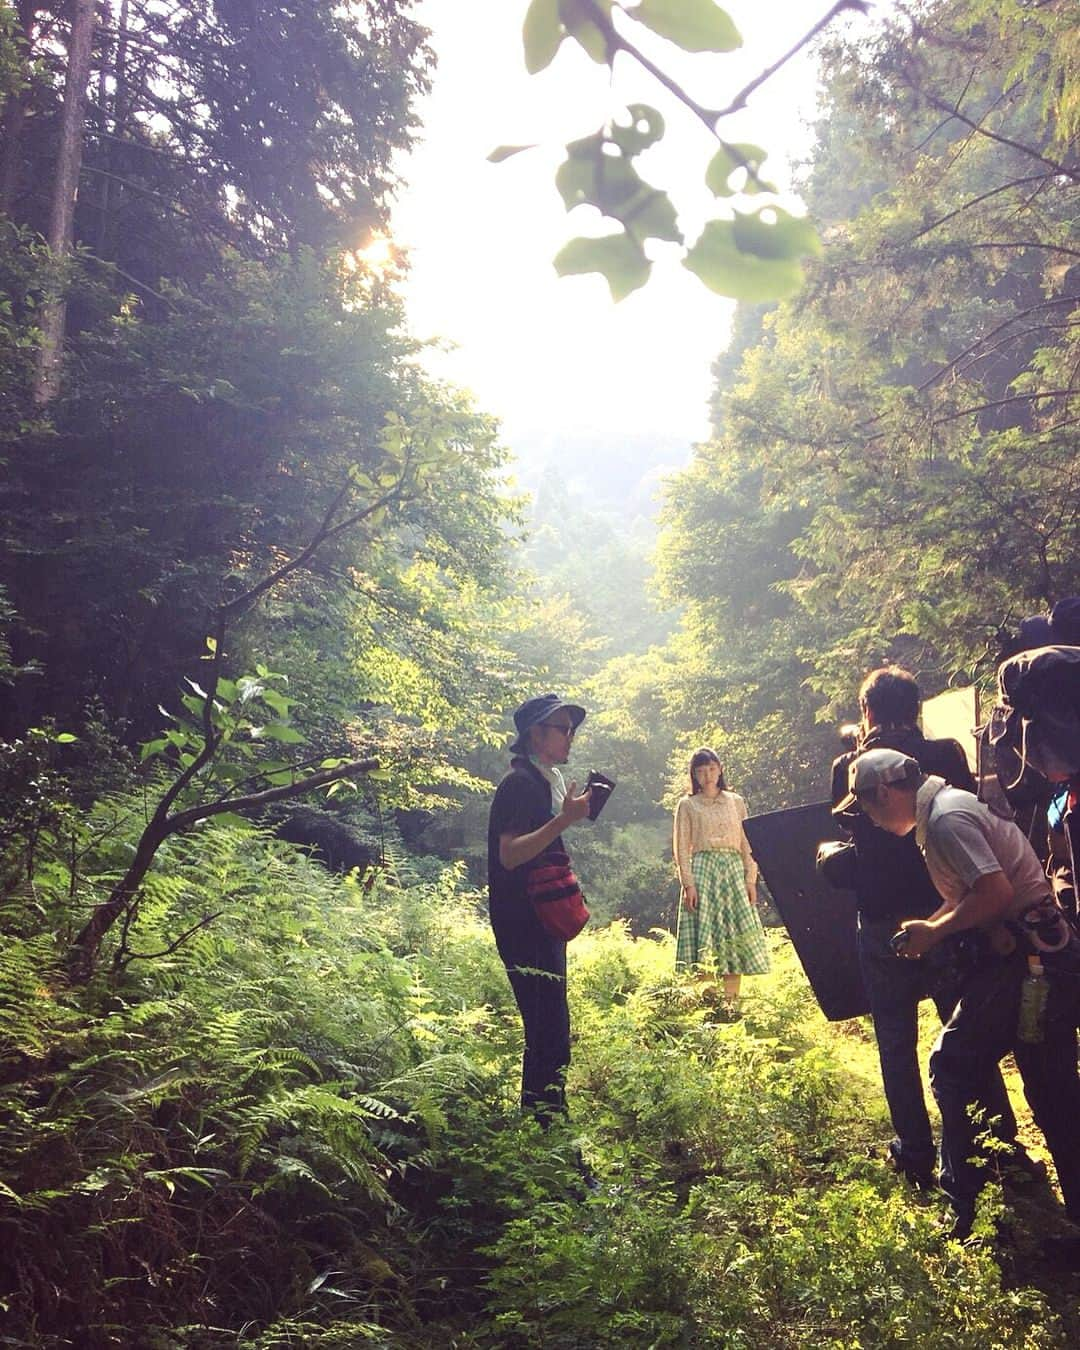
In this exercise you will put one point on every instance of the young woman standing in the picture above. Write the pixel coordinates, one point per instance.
(719, 926)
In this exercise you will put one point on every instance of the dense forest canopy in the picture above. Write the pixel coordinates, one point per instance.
(250, 547)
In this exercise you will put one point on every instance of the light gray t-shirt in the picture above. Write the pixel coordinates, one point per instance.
(963, 840)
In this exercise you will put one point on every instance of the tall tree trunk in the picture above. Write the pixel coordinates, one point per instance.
(65, 190)
(15, 116)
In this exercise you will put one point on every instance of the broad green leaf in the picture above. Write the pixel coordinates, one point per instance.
(278, 731)
(150, 748)
(64, 738)
(502, 152)
(693, 25)
(645, 129)
(727, 161)
(781, 237)
(617, 257)
(278, 702)
(542, 34)
(724, 268)
(578, 21)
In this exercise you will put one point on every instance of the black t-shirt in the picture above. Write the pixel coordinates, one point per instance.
(891, 880)
(522, 803)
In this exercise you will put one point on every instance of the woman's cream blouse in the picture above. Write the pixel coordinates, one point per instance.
(709, 823)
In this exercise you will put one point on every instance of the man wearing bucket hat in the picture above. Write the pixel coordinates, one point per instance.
(524, 823)
(994, 890)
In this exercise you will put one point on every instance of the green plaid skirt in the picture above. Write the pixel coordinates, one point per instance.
(725, 931)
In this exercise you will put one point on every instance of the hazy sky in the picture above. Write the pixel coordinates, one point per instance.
(556, 359)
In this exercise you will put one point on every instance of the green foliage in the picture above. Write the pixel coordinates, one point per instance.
(299, 1126)
(749, 256)
(894, 465)
(752, 257)
(197, 448)
(215, 125)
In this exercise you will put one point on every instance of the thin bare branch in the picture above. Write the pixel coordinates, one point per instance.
(1058, 168)
(1014, 318)
(1005, 402)
(976, 201)
(740, 100)
(204, 922)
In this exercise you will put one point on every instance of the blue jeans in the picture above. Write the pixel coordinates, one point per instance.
(981, 1029)
(896, 988)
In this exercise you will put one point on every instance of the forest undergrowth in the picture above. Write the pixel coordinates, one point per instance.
(300, 1128)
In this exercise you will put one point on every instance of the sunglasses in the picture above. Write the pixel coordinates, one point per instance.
(564, 727)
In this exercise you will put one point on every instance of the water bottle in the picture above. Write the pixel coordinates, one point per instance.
(1033, 991)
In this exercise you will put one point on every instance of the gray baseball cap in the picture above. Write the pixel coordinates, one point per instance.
(872, 769)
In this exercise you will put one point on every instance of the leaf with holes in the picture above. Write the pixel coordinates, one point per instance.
(724, 267)
(646, 127)
(727, 161)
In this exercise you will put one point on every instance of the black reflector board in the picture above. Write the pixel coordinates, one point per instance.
(819, 919)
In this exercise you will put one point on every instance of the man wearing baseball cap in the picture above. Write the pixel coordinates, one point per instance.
(523, 823)
(993, 888)
(891, 884)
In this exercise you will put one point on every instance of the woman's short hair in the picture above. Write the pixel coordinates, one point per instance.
(705, 756)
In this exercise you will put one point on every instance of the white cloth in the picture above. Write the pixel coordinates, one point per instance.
(558, 783)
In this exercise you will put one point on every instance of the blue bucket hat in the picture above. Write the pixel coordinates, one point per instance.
(536, 710)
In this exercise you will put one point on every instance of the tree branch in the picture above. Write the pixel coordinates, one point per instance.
(942, 106)
(740, 100)
(1014, 318)
(164, 822)
(711, 117)
(1004, 402)
(204, 922)
(975, 201)
(183, 820)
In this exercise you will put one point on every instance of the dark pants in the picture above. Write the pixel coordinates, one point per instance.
(536, 965)
(981, 1030)
(896, 988)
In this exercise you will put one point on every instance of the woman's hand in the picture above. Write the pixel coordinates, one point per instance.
(751, 893)
(690, 897)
